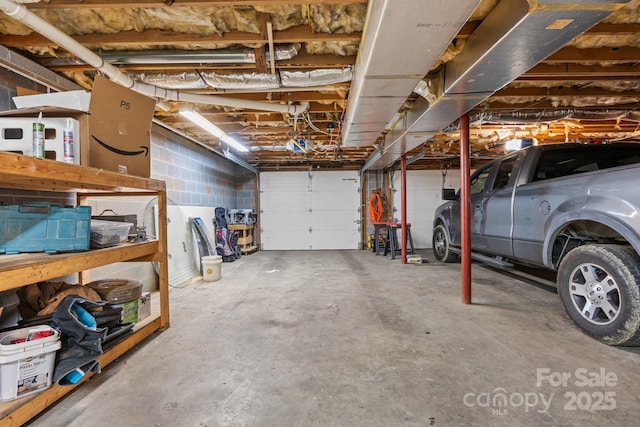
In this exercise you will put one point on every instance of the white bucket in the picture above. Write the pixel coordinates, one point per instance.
(211, 268)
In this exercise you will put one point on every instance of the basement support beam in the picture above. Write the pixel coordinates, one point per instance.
(403, 202)
(465, 208)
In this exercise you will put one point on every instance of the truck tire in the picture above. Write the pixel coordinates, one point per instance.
(442, 245)
(599, 290)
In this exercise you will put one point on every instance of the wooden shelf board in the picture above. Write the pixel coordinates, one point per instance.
(26, 172)
(19, 411)
(24, 269)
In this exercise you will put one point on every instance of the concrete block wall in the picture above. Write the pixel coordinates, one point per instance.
(194, 175)
(245, 189)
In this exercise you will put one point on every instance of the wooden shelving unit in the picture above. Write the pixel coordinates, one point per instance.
(24, 172)
(245, 237)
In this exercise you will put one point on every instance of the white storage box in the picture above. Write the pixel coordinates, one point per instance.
(27, 359)
(16, 135)
(74, 99)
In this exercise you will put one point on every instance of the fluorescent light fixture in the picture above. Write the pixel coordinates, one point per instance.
(211, 128)
(202, 122)
(235, 144)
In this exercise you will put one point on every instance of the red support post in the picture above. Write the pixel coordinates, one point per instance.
(403, 202)
(465, 208)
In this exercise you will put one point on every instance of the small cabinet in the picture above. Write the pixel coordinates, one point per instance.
(245, 236)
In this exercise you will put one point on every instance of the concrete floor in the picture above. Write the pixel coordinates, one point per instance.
(347, 338)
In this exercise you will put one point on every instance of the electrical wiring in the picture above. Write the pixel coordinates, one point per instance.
(314, 127)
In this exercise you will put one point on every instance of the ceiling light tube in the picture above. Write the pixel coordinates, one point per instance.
(211, 128)
(202, 122)
(235, 144)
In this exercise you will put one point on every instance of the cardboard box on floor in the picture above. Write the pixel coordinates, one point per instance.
(114, 132)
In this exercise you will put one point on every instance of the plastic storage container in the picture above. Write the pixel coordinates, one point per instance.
(108, 233)
(211, 268)
(44, 228)
(27, 360)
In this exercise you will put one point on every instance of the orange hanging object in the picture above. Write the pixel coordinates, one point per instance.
(376, 213)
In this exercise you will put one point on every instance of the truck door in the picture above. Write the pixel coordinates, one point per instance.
(497, 209)
(478, 182)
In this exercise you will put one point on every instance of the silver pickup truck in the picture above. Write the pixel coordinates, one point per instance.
(573, 208)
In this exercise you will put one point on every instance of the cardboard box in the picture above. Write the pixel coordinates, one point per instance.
(414, 259)
(114, 133)
(144, 306)
(135, 311)
(129, 311)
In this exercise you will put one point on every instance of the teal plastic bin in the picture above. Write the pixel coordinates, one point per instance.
(44, 228)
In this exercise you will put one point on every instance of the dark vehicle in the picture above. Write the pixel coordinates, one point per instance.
(573, 208)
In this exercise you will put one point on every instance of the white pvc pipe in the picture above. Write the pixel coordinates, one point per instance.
(33, 21)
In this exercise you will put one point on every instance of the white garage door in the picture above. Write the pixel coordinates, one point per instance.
(424, 189)
(310, 210)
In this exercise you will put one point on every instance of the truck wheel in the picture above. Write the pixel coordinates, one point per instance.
(599, 290)
(441, 245)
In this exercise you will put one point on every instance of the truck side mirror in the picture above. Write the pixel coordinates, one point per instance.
(448, 194)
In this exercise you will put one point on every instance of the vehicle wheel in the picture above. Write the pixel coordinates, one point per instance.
(441, 245)
(599, 290)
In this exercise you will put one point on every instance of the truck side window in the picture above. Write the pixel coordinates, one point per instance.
(504, 173)
(584, 158)
(478, 182)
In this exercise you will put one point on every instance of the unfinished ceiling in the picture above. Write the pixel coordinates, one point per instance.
(307, 83)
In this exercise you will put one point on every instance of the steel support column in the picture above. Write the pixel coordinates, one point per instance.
(465, 208)
(403, 196)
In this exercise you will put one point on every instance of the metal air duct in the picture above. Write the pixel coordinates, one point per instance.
(218, 56)
(401, 42)
(516, 35)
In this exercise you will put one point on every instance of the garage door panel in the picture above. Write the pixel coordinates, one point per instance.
(286, 220)
(279, 240)
(284, 181)
(333, 220)
(329, 218)
(340, 239)
(333, 200)
(325, 202)
(280, 202)
(335, 180)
